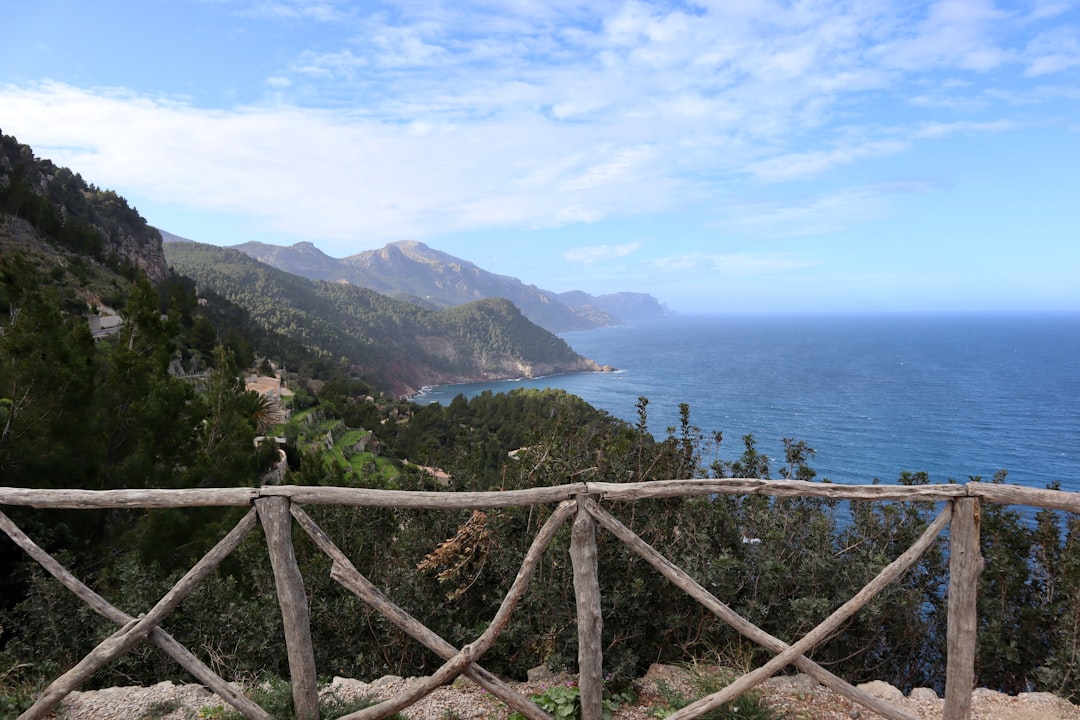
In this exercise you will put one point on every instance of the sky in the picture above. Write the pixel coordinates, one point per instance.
(734, 156)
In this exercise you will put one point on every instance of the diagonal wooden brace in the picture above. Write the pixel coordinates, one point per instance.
(788, 653)
(467, 655)
(162, 639)
(137, 630)
(349, 577)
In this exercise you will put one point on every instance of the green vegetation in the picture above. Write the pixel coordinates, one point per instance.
(73, 214)
(392, 344)
(749, 706)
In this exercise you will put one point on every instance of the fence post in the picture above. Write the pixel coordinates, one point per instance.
(965, 566)
(590, 621)
(277, 524)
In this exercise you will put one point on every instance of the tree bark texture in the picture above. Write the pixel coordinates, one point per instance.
(277, 524)
(590, 621)
(965, 566)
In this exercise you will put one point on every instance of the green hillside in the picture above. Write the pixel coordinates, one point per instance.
(395, 345)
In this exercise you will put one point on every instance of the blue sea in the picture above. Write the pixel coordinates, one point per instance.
(955, 396)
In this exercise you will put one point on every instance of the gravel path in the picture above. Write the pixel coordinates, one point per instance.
(798, 698)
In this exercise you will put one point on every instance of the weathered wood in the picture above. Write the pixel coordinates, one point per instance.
(149, 498)
(422, 500)
(367, 497)
(162, 639)
(682, 580)
(773, 488)
(474, 650)
(289, 583)
(590, 620)
(135, 631)
(349, 577)
(965, 566)
(888, 575)
(1017, 495)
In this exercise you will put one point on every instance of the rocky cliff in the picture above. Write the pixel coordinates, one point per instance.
(74, 214)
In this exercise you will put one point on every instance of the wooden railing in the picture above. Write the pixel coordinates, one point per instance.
(276, 507)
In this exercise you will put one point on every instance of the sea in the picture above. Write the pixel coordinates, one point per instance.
(957, 396)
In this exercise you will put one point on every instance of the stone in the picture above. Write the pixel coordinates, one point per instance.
(540, 672)
(660, 671)
(987, 694)
(883, 690)
(923, 693)
(801, 683)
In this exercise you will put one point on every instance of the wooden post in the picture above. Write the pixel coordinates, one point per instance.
(965, 566)
(277, 524)
(590, 621)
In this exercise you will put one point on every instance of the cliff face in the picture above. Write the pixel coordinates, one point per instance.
(69, 212)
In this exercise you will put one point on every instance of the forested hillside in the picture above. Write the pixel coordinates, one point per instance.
(74, 214)
(394, 344)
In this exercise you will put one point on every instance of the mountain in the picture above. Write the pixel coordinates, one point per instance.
(90, 245)
(397, 345)
(75, 215)
(411, 270)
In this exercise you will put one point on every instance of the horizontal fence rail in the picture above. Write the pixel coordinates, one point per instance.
(276, 508)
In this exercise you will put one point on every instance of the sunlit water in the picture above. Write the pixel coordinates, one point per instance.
(955, 396)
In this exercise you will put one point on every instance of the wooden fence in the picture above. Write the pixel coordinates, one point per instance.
(276, 507)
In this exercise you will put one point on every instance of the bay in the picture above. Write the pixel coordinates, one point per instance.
(955, 396)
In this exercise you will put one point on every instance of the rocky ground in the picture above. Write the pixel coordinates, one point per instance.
(796, 698)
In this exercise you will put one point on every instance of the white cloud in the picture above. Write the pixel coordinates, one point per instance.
(728, 265)
(943, 129)
(1053, 52)
(319, 10)
(795, 165)
(806, 217)
(962, 34)
(429, 118)
(599, 253)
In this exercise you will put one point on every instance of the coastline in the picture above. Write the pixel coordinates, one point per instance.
(426, 389)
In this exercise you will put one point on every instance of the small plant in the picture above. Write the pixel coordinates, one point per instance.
(564, 702)
(748, 706)
(16, 692)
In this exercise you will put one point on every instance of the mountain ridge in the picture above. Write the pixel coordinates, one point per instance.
(399, 345)
(410, 269)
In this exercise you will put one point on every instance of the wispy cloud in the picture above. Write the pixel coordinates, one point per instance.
(599, 253)
(436, 117)
(805, 217)
(796, 165)
(728, 265)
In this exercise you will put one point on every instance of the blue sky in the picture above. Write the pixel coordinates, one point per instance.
(725, 156)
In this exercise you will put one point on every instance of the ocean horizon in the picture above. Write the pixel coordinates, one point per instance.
(953, 395)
